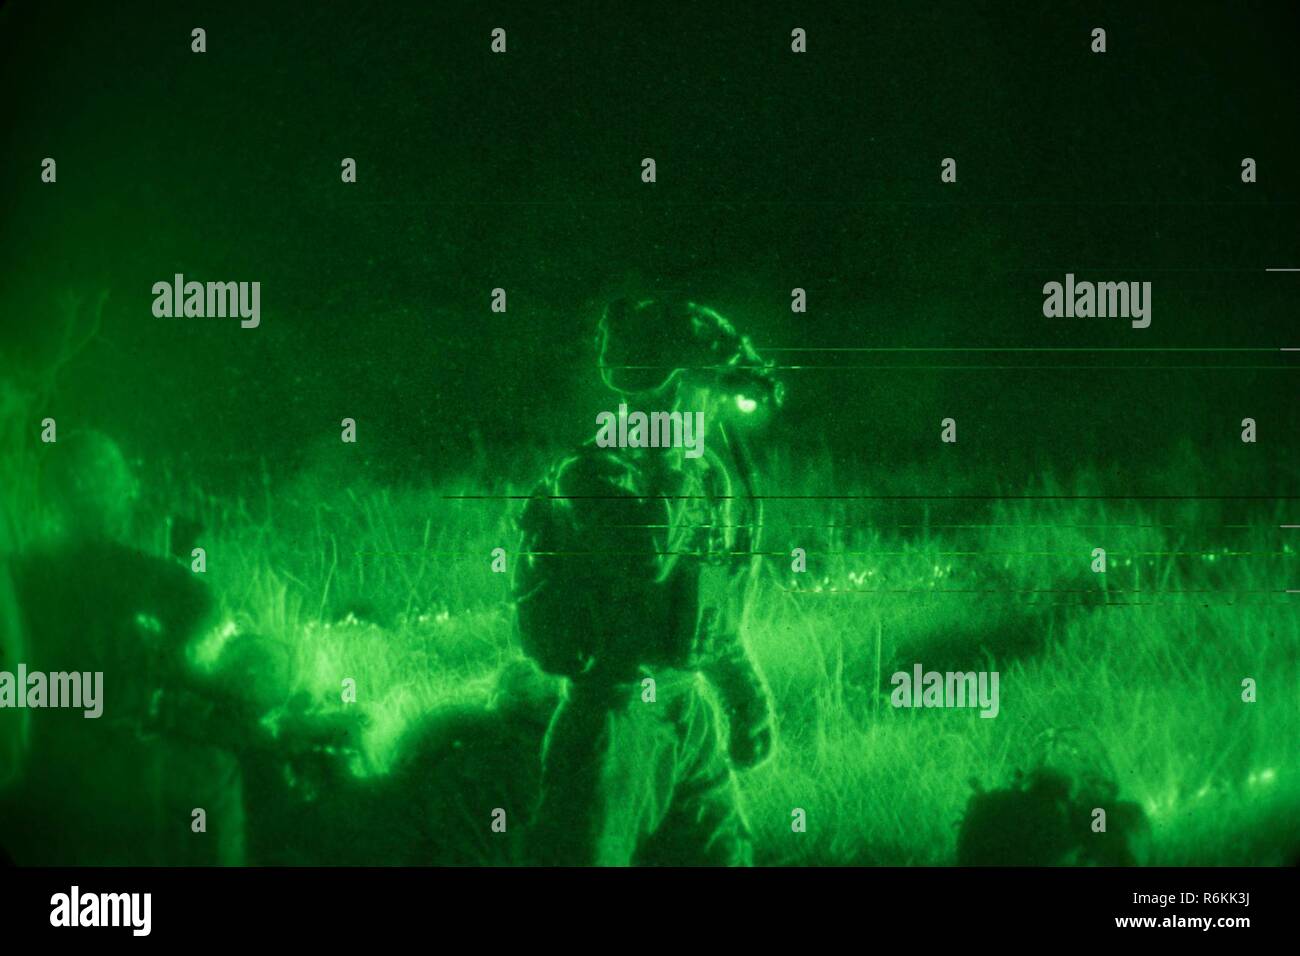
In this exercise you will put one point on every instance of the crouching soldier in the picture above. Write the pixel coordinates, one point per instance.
(91, 790)
(636, 570)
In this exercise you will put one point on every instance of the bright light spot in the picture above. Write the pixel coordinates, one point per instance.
(1267, 775)
(1161, 804)
(746, 405)
(206, 651)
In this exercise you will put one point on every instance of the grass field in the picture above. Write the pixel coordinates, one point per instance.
(1141, 667)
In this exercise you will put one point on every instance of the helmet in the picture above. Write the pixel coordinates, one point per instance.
(646, 345)
(89, 485)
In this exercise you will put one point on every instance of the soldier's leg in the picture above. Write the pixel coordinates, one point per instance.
(231, 850)
(705, 824)
(608, 771)
(564, 829)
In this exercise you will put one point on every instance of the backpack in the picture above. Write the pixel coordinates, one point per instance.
(597, 587)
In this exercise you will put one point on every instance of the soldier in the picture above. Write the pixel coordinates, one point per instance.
(89, 603)
(637, 566)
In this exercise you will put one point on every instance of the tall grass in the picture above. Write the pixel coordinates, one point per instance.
(392, 587)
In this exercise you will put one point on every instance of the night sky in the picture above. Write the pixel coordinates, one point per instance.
(774, 171)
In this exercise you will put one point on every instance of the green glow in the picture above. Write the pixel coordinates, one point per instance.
(369, 562)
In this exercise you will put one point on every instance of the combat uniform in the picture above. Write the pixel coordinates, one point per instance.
(93, 791)
(639, 566)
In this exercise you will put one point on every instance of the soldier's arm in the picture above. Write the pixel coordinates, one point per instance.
(746, 702)
(727, 582)
(725, 592)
